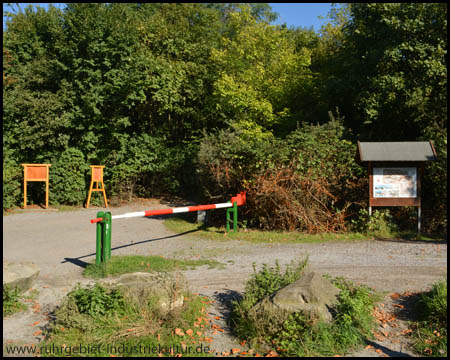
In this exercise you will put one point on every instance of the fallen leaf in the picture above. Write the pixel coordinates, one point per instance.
(395, 296)
(35, 323)
(399, 306)
(190, 332)
(242, 343)
(217, 317)
(235, 350)
(179, 332)
(406, 331)
(378, 351)
(368, 347)
(199, 333)
(38, 332)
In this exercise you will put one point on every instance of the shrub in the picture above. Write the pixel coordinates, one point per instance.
(305, 182)
(69, 178)
(12, 181)
(133, 169)
(380, 224)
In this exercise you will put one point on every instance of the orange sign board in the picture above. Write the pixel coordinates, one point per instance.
(97, 177)
(35, 172)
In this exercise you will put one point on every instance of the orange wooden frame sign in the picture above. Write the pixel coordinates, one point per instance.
(35, 172)
(97, 177)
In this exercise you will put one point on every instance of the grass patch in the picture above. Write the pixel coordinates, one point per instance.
(12, 301)
(300, 334)
(109, 324)
(118, 265)
(185, 223)
(430, 331)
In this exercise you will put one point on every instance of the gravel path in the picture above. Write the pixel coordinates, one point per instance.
(62, 243)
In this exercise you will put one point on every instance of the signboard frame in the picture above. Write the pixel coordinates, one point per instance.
(395, 201)
(35, 172)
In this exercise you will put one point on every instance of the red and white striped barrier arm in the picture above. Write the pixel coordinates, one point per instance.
(239, 198)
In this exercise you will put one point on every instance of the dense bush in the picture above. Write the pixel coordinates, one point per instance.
(12, 181)
(305, 182)
(69, 178)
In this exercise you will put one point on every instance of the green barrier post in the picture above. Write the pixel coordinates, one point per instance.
(233, 210)
(107, 236)
(99, 244)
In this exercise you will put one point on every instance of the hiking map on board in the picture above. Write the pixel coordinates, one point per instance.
(395, 182)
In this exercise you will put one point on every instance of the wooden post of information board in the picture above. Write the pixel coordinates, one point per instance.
(97, 177)
(35, 172)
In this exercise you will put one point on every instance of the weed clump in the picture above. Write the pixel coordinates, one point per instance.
(11, 301)
(301, 333)
(431, 329)
(111, 323)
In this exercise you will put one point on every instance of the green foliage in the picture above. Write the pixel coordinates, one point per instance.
(380, 224)
(270, 279)
(303, 182)
(12, 301)
(137, 87)
(118, 265)
(12, 181)
(116, 325)
(431, 329)
(300, 334)
(97, 301)
(261, 284)
(140, 159)
(69, 178)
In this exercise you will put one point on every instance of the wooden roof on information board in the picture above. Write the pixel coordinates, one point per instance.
(396, 151)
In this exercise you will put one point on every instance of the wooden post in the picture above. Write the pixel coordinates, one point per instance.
(97, 177)
(35, 172)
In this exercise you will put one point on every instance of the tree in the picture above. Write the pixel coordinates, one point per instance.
(259, 69)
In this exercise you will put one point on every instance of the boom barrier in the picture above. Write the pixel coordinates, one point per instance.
(104, 221)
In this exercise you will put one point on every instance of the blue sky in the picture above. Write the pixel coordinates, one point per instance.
(293, 14)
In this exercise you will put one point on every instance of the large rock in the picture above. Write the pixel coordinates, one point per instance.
(141, 287)
(20, 274)
(312, 293)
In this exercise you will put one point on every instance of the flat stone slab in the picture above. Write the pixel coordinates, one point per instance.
(21, 274)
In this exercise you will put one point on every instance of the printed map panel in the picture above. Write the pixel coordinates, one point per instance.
(395, 182)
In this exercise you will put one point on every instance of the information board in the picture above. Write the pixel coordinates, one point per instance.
(399, 182)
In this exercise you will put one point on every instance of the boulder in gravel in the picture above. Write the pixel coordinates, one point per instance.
(312, 293)
(141, 287)
(21, 274)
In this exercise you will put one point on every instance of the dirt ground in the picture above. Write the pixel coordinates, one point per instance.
(63, 243)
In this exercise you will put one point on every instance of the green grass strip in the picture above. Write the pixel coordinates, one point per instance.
(118, 265)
